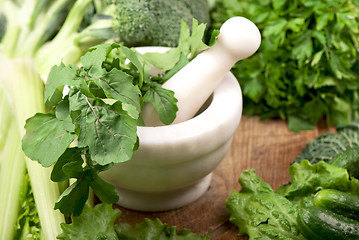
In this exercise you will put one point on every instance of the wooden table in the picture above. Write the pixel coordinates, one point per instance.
(269, 147)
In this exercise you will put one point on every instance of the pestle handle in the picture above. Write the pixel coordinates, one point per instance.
(238, 39)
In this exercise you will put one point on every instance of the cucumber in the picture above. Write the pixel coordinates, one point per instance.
(318, 223)
(348, 160)
(343, 203)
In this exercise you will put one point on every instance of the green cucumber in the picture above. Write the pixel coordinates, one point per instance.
(343, 203)
(348, 160)
(318, 223)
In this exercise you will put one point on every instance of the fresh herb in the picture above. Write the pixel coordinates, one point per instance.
(101, 111)
(306, 67)
(99, 223)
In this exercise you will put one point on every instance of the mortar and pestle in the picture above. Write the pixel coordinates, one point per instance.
(174, 163)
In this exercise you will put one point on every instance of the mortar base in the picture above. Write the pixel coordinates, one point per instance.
(163, 201)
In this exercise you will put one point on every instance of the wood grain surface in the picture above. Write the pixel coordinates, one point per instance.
(269, 147)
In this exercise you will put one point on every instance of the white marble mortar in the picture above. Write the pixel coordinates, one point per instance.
(174, 163)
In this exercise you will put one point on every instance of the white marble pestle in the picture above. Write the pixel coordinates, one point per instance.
(239, 38)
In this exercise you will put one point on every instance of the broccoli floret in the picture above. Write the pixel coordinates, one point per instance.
(157, 22)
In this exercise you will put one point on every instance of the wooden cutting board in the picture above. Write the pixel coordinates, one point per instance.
(269, 147)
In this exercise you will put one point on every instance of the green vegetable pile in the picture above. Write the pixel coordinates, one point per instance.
(38, 34)
(307, 65)
(321, 201)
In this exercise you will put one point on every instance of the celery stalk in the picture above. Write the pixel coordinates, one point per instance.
(6, 117)
(14, 169)
(23, 83)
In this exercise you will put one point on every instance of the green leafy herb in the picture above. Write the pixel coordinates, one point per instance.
(101, 112)
(99, 223)
(305, 68)
(261, 213)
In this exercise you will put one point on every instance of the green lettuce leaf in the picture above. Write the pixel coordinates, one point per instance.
(99, 223)
(155, 229)
(93, 224)
(261, 213)
(307, 179)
